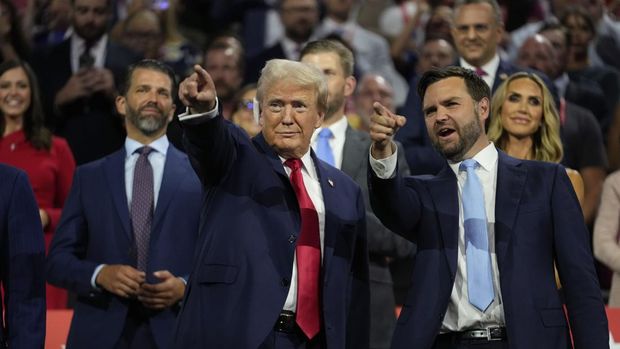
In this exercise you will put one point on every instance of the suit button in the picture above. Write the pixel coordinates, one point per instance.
(285, 282)
(292, 238)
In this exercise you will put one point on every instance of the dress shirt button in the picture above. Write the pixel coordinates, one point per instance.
(292, 238)
(285, 282)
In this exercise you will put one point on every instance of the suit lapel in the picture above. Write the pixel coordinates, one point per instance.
(114, 168)
(444, 192)
(172, 176)
(511, 179)
(330, 201)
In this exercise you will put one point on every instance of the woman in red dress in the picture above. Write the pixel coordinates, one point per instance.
(28, 145)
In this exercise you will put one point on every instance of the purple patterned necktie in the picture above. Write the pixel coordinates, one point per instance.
(142, 205)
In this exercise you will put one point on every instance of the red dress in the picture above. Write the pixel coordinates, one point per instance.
(50, 174)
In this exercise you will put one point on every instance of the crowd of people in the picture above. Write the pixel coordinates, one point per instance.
(296, 173)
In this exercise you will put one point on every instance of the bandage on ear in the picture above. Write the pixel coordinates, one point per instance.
(256, 110)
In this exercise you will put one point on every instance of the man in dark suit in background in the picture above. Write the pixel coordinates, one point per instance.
(129, 226)
(341, 146)
(22, 263)
(283, 262)
(489, 230)
(78, 78)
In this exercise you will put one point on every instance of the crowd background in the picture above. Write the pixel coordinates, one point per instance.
(572, 45)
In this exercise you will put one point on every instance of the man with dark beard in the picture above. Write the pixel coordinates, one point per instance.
(78, 82)
(125, 240)
(489, 229)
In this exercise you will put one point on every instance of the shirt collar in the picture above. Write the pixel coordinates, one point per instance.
(490, 67)
(160, 145)
(308, 165)
(562, 84)
(338, 128)
(487, 158)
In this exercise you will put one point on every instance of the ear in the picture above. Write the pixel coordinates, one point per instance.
(319, 120)
(171, 114)
(349, 86)
(484, 108)
(121, 103)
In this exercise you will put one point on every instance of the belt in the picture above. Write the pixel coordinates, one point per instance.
(286, 322)
(488, 334)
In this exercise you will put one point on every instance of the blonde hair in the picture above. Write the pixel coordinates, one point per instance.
(546, 140)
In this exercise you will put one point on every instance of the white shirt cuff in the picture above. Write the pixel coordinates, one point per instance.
(93, 278)
(384, 168)
(191, 118)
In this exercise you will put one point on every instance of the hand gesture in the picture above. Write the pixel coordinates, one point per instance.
(198, 91)
(383, 126)
(121, 280)
(76, 87)
(102, 80)
(164, 294)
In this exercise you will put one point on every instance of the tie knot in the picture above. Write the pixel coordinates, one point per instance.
(325, 133)
(480, 72)
(293, 164)
(468, 164)
(144, 151)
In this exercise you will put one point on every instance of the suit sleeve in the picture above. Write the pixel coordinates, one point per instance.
(212, 148)
(381, 240)
(358, 324)
(25, 263)
(66, 263)
(575, 264)
(396, 203)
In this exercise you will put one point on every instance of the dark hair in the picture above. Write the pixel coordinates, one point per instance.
(476, 87)
(225, 41)
(336, 46)
(34, 119)
(150, 64)
(554, 24)
(580, 12)
(17, 38)
(497, 12)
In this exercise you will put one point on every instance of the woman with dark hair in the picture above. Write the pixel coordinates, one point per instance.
(13, 44)
(28, 145)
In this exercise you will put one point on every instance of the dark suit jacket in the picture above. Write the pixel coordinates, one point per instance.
(91, 125)
(537, 220)
(95, 229)
(22, 263)
(383, 245)
(241, 276)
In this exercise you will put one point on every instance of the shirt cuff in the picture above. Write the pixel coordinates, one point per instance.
(93, 278)
(384, 168)
(196, 118)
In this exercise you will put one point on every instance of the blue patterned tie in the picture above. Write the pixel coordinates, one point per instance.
(479, 279)
(142, 205)
(323, 149)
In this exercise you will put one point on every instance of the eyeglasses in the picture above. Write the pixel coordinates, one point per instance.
(246, 104)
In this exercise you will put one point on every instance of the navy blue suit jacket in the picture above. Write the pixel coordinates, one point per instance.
(95, 229)
(241, 276)
(22, 263)
(538, 220)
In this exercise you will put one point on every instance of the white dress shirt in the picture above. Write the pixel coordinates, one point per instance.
(313, 187)
(336, 142)
(460, 314)
(490, 68)
(157, 158)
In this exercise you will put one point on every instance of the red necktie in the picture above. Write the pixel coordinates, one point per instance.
(308, 256)
(480, 72)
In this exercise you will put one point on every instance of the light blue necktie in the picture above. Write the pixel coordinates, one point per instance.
(479, 280)
(323, 149)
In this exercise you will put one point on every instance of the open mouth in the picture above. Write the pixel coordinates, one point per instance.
(445, 132)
